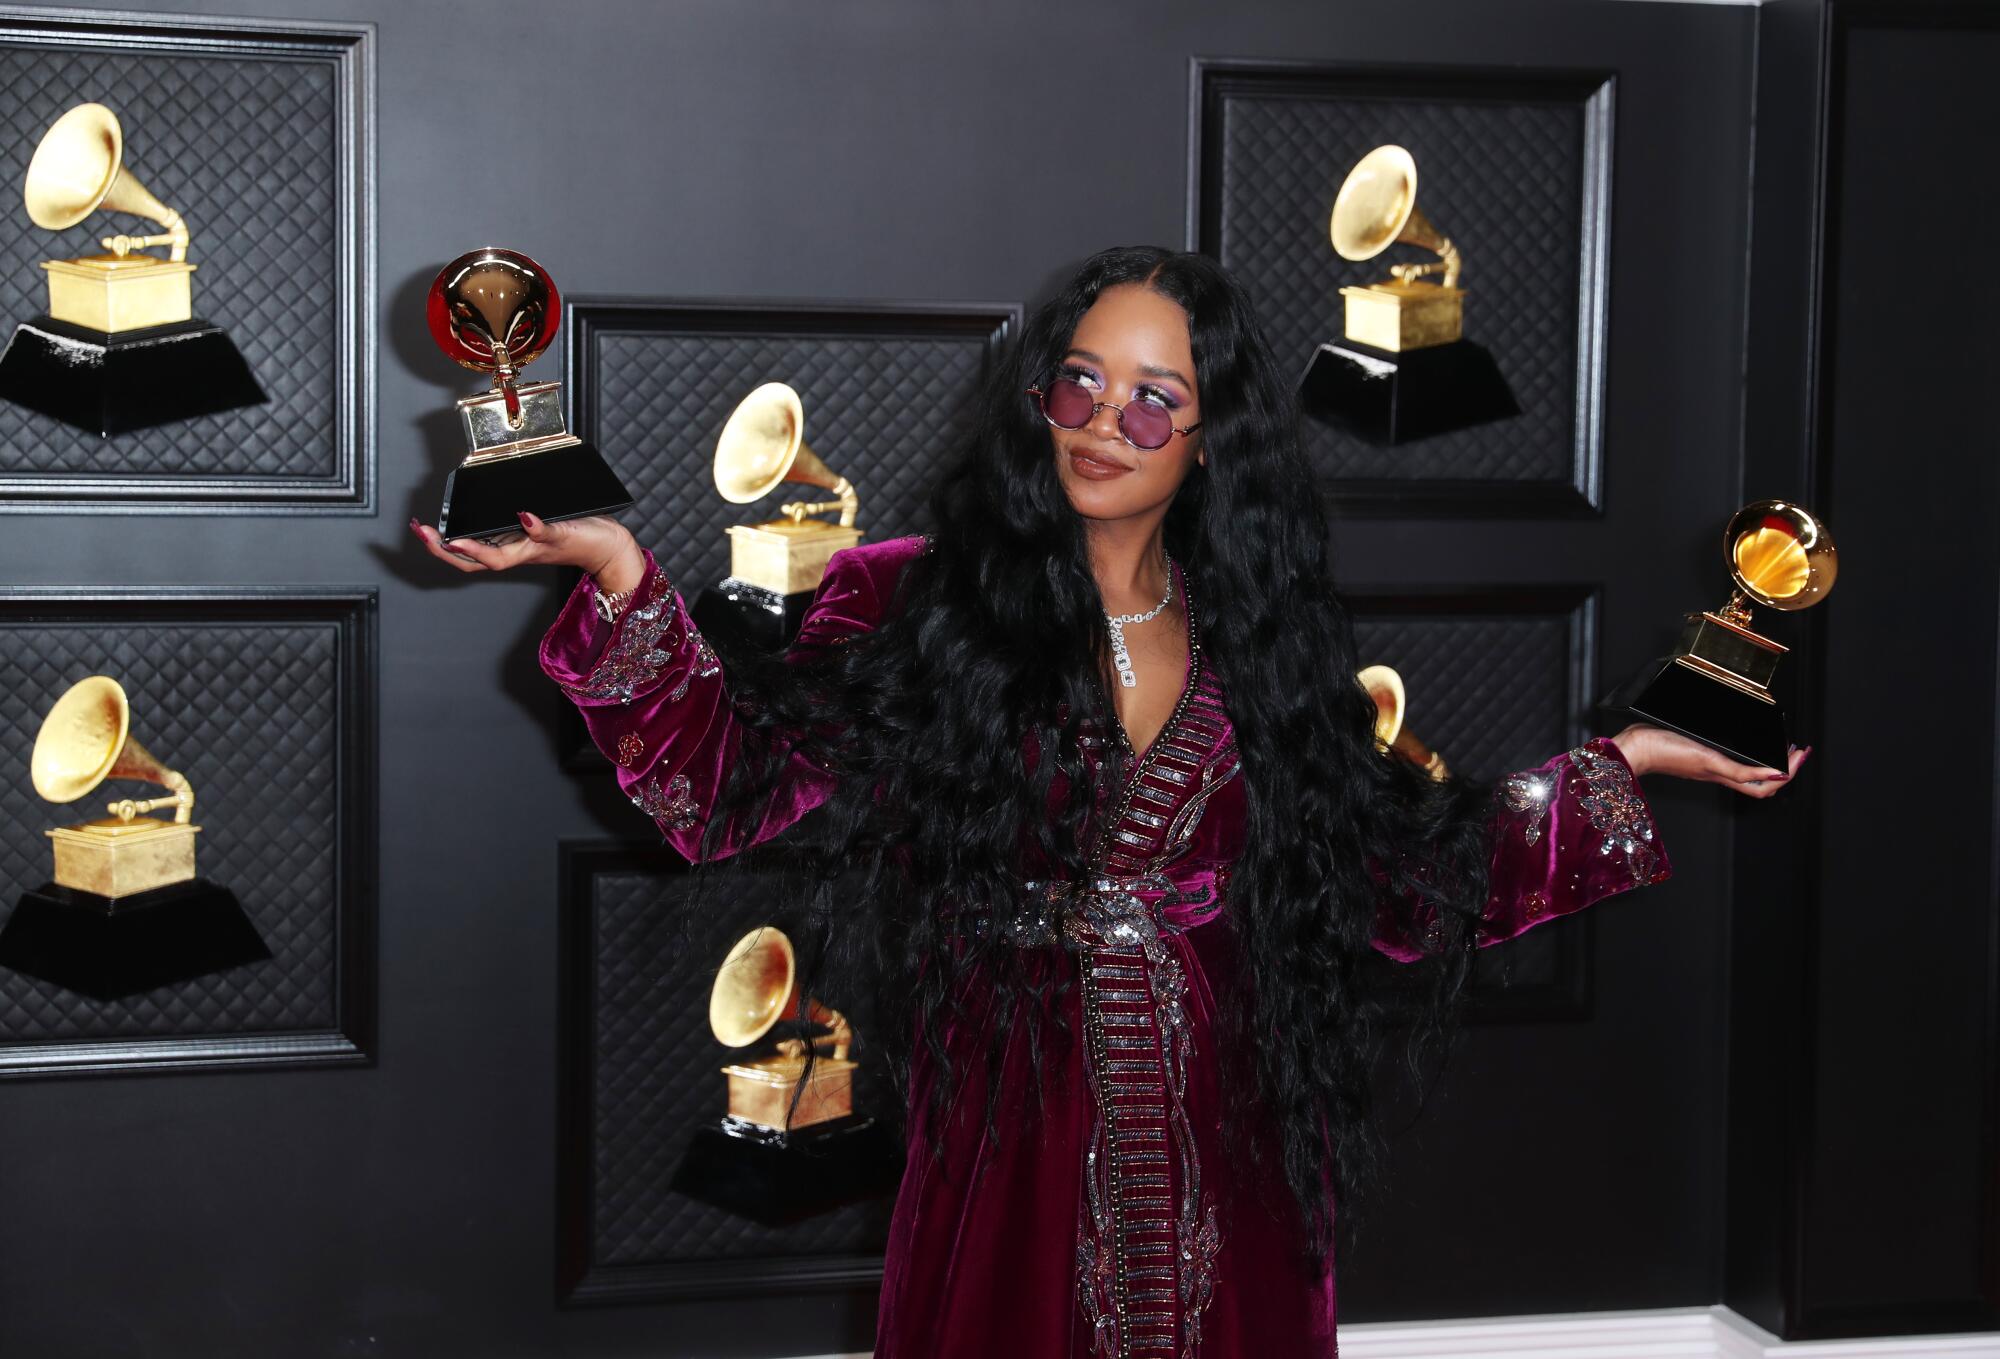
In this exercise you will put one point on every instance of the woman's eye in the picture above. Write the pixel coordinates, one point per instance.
(1157, 395)
(1083, 376)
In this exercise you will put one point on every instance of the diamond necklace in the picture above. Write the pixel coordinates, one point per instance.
(1122, 658)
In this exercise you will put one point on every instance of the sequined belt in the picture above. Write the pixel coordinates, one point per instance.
(1117, 911)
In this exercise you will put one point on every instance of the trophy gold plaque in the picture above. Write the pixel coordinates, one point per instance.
(495, 311)
(1404, 370)
(1716, 686)
(775, 566)
(791, 1144)
(1385, 688)
(124, 911)
(119, 347)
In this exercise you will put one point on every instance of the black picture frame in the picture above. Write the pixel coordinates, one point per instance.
(1563, 993)
(1213, 83)
(809, 324)
(582, 1279)
(345, 298)
(350, 968)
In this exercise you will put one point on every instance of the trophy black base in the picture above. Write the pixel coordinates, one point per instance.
(750, 615)
(109, 947)
(109, 383)
(484, 499)
(1396, 398)
(808, 1172)
(1680, 698)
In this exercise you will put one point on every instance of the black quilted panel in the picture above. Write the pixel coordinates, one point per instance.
(657, 1075)
(249, 712)
(882, 410)
(247, 150)
(1504, 180)
(1491, 693)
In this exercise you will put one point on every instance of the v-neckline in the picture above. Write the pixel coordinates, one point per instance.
(1180, 700)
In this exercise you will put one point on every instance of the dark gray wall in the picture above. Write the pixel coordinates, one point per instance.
(1865, 994)
(906, 150)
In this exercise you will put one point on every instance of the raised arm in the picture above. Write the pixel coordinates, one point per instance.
(657, 703)
(1572, 832)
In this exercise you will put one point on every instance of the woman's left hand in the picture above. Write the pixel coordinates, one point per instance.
(1655, 750)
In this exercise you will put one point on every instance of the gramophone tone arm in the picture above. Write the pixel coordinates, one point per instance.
(1448, 263)
(180, 798)
(176, 235)
(842, 1036)
(844, 500)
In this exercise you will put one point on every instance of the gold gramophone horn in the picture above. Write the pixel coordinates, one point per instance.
(77, 168)
(1780, 555)
(87, 738)
(763, 445)
(1377, 208)
(758, 987)
(1385, 687)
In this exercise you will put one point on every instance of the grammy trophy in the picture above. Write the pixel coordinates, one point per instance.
(119, 347)
(774, 566)
(1715, 687)
(791, 1143)
(495, 311)
(125, 911)
(1403, 370)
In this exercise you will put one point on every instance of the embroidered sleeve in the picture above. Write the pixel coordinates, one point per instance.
(1565, 835)
(655, 700)
(654, 642)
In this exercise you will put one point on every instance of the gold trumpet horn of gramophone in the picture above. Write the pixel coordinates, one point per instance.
(1385, 688)
(85, 739)
(78, 168)
(756, 989)
(1375, 209)
(762, 446)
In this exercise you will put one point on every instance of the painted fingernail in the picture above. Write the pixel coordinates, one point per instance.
(523, 516)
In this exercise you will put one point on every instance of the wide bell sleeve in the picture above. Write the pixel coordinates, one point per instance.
(656, 702)
(1565, 835)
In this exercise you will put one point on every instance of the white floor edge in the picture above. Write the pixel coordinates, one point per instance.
(1666, 1333)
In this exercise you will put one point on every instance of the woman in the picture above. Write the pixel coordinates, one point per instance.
(1097, 748)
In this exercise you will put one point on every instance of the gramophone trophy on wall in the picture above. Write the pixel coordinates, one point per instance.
(495, 311)
(775, 566)
(125, 911)
(1385, 687)
(1404, 370)
(790, 1143)
(119, 348)
(1716, 685)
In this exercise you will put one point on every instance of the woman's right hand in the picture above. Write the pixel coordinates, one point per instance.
(597, 544)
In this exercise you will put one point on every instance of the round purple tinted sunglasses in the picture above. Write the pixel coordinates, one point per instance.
(1144, 423)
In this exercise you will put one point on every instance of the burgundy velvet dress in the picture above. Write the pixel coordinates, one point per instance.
(1110, 1218)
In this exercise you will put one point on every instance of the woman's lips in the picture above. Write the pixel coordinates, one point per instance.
(1094, 468)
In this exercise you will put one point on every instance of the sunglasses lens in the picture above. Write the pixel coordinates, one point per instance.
(1067, 403)
(1148, 424)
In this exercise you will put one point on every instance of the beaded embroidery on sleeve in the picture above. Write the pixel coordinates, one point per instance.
(641, 650)
(673, 807)
(1610, 797)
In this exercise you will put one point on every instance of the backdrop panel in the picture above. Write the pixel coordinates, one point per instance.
(886, 392)
(259, 134)
(265, 701)
(1514, 167)
(641, 1070)
(1497, 680)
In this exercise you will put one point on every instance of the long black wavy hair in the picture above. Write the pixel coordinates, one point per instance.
(955, 727)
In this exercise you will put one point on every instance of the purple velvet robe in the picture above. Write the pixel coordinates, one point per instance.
(1112, 1219)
